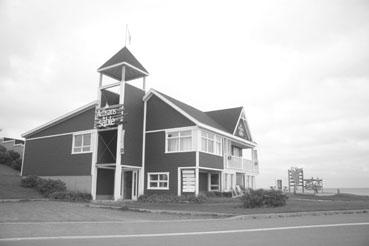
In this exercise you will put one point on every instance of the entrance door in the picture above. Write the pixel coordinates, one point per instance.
(127, 179)
(130, 184)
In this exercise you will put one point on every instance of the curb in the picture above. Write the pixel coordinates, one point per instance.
(161, 211)
(23, 200)
(234, 216)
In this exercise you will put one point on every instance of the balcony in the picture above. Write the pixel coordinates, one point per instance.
(242, 164)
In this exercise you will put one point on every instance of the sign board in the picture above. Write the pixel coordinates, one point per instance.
(108, 117)
(188, 180)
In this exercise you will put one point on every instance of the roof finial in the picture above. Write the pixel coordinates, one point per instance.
(128, 36)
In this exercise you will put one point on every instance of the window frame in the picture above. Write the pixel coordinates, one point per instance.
(158, 181)
(82, 145)
(215, 141)
(179, 137)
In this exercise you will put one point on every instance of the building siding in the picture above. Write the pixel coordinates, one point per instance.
(156, 160)
(52, 157)
(162, 116)
(211, 161)
(134, 107)
(79, 122)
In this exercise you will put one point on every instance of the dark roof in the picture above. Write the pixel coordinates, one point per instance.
(124, 55)
(226, 117)
(204, 117)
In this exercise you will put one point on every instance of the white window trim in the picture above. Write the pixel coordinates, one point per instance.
(167, 131)
(215, 142)
(157, 188)
(91, 144)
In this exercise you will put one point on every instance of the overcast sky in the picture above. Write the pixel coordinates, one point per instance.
(300, 69)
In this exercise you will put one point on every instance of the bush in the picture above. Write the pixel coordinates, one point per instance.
(171, 198)
(30, 181)
(70, 196)
(48, 186)
(10, 158)
(264, 198)
(218, 194)
(16, 164)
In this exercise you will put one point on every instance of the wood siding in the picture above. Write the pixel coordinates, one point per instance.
(52, 157)
(156, 160)
(211, 161)
(79, 122)
(161, 116)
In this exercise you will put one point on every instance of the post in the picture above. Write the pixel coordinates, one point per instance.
(144, 83)
(118, 164)
(95, 139)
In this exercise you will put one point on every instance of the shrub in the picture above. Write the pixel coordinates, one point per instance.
(48, 186)
(264, 198)
(14, 155)
(171, 198)
(70, 196)
(16, 164)
(5, 158)
(30, 181)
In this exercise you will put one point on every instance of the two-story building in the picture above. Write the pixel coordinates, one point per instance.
(131, 142)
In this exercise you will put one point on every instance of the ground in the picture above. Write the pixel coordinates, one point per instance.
(46, 222)
(10, 185)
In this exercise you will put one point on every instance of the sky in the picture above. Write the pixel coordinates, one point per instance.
(300, 69)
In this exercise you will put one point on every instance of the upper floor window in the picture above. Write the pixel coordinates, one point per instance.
(236, 151)
(211, 143)
(81, 143)
(179, 141)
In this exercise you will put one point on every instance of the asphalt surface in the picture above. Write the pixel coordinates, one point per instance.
(346, 229)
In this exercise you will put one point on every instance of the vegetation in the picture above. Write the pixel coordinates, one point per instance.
(10, 158)
(264, 198)
(172, 198)
(53, 189)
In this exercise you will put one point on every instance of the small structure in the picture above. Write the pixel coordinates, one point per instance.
(315, 185)
(295, 179)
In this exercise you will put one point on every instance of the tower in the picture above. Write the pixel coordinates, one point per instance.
(110, 116)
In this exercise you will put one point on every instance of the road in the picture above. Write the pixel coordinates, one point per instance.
(347, 229)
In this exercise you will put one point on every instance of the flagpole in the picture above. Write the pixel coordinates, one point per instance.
(125, 41)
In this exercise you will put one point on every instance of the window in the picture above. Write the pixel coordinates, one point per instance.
(211, 143)
(81, 143)
(214, 182)
(158, 181)
(179, 141)
(236, 151)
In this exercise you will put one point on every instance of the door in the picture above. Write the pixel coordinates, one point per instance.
(127, 188)
(134, 184)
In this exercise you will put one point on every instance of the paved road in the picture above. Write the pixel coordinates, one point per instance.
(349, 229)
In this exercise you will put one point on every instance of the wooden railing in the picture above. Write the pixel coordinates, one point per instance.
(235, 162)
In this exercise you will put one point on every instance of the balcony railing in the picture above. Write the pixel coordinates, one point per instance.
(235, 162)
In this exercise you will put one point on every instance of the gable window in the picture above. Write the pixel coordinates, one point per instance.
(158, 181)
(179, 141)
(81, 143)
(211, 143)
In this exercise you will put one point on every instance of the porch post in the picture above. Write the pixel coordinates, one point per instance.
(120, 145)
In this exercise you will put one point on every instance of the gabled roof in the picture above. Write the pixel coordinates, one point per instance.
(226, 117)
(113, 67)
(203, 119)
(195, 113)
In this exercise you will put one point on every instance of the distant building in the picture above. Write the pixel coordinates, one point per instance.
(14, 144)
(134, 142)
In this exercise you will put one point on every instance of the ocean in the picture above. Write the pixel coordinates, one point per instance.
(355, 191)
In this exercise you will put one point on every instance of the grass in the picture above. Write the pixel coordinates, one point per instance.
(295, 203)
(10, 185)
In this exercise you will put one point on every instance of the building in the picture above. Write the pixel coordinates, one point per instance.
(131, 142)
(14, 144)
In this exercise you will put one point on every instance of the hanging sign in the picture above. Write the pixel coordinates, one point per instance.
(110, 116)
